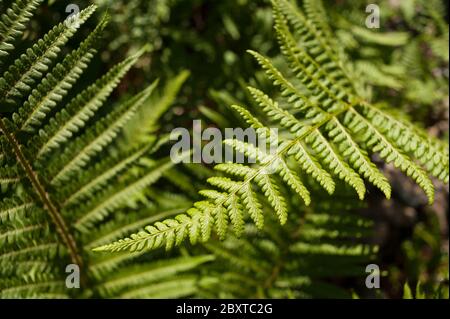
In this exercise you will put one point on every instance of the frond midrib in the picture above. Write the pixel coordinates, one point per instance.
(44, 197)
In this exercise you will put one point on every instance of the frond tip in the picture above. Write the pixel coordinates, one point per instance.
(13, 23)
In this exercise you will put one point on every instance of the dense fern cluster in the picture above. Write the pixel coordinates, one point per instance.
(78, 172)
(59, 197)
(332, 130)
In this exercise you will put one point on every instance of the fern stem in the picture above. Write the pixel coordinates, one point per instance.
(58, 220)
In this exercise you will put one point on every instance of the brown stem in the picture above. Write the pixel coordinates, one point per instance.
(58, 220)
(273, 276)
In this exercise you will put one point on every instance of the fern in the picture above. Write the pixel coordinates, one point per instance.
(402, 59)
(332, 131)
(57, 199)
(289, 262)
(13, 23)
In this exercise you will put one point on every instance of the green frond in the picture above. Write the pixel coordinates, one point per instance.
(10, 175)
(46, 222)
(315, 39)
(374, 75)
(197, 224)
(98, 176)
(117, 196)
(37, 287)
(13, 23)
(79, 153)
(20, 233)
(234, 169)
(311, 166)
(386, 38)
(119, 227)
(357, 157)
(225, 183)
(335, 163)
(217, 212)
(12, 209)
(77, 174)
(179, 287)
(27, 251)
(136, 277)
(253, 206)
(57, 83)
(27, 70)
(314, 77)
(315, 12)
(26, 268)
(327, 249)
(275, 113)
(291, 179)
(235, 210)
(312, 242)
(270, 189)
(146, 123)
(248, 117)
(297, 98)
(432, 154)
(242, 262)
(101, 266)
(382, 145)
(75, 115)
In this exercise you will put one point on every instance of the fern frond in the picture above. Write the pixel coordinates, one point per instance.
(57, 83)
(179, 287)
(196, 224)
(75, 115)
(386, 39)
(118, 228)
(332, 131)
(95, 139)
(12, 24)
(10, 175)
(290, 260)
(23, 232)
(291, 179)
(26, 268)
(159, 105)
(29, 251)
(44, 219)
(32, 66)
(374, 75)
(136, 277)
(312, 166)
(316, 40)
(116, 196)
(99, 175)
(12, 209)
(32, 287)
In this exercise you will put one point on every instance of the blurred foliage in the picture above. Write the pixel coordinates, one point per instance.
(294, 261)
(407, 58)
